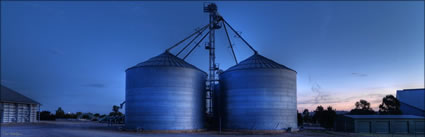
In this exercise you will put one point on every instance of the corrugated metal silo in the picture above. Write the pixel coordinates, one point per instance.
(258, 94)
(165, 93)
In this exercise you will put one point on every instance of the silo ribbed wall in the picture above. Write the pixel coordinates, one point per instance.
(259, 94)
(165, 95)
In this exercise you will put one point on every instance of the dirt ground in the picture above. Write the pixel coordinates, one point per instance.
(93, 129)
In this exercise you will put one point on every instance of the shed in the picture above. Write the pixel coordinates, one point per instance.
(15, 107)
(380, 124)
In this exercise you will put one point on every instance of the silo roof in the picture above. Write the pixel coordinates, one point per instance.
(258, 61)
(165, 59)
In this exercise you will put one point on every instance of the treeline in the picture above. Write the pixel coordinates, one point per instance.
(326, 117)
(60, 114)
(389, 106)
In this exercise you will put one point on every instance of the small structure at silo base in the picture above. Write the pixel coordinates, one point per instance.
(165, 93)
(397, 124)
(17, 108)
(258, 94)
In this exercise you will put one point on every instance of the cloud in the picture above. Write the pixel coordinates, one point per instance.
(329, 100)
(371, 95)
(320, 97)
(359, 74)
(376, 101)
(94, 85)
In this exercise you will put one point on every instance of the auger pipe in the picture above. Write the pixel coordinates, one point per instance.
(187, 45)
(230, 43)
(255, 52)
(196, 45)
(175, 45)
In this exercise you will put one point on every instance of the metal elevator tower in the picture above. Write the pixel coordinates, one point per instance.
(214, 20)
(199, 82)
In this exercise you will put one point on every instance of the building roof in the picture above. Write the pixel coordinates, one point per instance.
(165, 59)
(413, 89)
(258, 61)
(9, 95)
(412, 107)
(412, 97)
(384, 116)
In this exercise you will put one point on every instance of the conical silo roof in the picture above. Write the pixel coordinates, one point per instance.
(165, 59)
(257, 61)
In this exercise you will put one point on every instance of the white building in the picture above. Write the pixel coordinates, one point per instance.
(17, 108)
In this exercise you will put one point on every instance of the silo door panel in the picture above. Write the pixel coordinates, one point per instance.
(400, 127)
(419, 127)
(382, 127)
(363, 126)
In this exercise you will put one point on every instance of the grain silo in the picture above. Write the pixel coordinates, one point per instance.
(258, 94)
(165, 93)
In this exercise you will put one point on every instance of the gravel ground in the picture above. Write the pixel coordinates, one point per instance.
(93, 129)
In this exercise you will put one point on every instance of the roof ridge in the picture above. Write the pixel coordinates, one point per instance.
(11, 98)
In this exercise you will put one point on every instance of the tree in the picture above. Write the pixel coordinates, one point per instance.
(362, 104)
(326, 117)
(115, 111)
(317, 114)
(60, 113)
(70, 115)
(96, 115)
(306, 116)
(362, 108)
(46, 115)
(329, 117)
(390, 106)
(78, 114)
(115, 108)
(115, 114)
(300, 119)
(86, 116)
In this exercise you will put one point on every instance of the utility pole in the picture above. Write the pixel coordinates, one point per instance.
(212, 80)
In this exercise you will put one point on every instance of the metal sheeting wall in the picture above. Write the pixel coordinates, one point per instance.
(363, 126)
(9, 112)
(33, 113)
(400, 126)
(23, 113)
(259, 99)
(382, 127)
(165, 98)
(17, 112)
(419, 127)
(392, 126)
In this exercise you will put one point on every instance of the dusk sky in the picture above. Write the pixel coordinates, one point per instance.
(74, 54)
